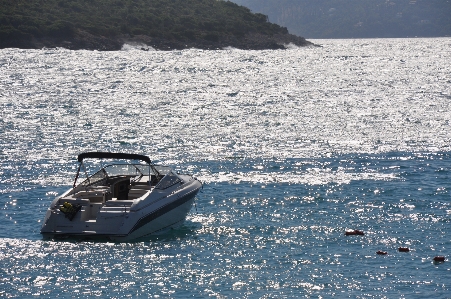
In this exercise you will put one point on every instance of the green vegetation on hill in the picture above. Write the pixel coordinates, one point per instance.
(205, 22)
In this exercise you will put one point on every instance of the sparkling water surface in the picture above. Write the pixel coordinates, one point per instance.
(294, 148)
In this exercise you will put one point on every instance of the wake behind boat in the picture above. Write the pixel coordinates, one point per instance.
(121, 202)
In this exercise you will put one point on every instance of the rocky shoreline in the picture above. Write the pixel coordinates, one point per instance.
(83, 40)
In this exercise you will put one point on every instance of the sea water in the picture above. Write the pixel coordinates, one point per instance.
(293, 147)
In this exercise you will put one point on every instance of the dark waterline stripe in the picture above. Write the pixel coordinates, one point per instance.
(161, 211)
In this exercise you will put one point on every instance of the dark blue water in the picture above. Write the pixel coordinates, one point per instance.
(257, 239)
(294, 148)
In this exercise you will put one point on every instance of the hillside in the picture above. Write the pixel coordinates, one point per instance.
(161, 24)
(358, 18)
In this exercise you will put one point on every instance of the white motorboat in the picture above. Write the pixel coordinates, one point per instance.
(120, 201)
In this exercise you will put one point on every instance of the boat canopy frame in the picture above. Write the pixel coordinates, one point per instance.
(108, 155)
(118, 156)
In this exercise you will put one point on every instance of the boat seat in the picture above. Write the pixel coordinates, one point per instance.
(140, 183)
(140, 187)
(99, 188)
(93, 196)
(121, 189)
(87, 194)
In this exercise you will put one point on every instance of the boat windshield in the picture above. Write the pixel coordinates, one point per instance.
(163, 170)
(130, 170)
(126, 170)
(168, 180)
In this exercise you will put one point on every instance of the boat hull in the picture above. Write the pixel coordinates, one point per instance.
(131, 223)
(167, 217)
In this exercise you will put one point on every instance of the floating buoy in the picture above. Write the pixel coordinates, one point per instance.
(354, 233)
(439, 259)
(380, 252)
(403, 249)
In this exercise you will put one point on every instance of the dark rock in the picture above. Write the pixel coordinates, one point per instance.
(439, 259)
(84, 40)
(355, 232)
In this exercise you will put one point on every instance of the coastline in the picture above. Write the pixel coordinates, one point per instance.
(83, 40)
